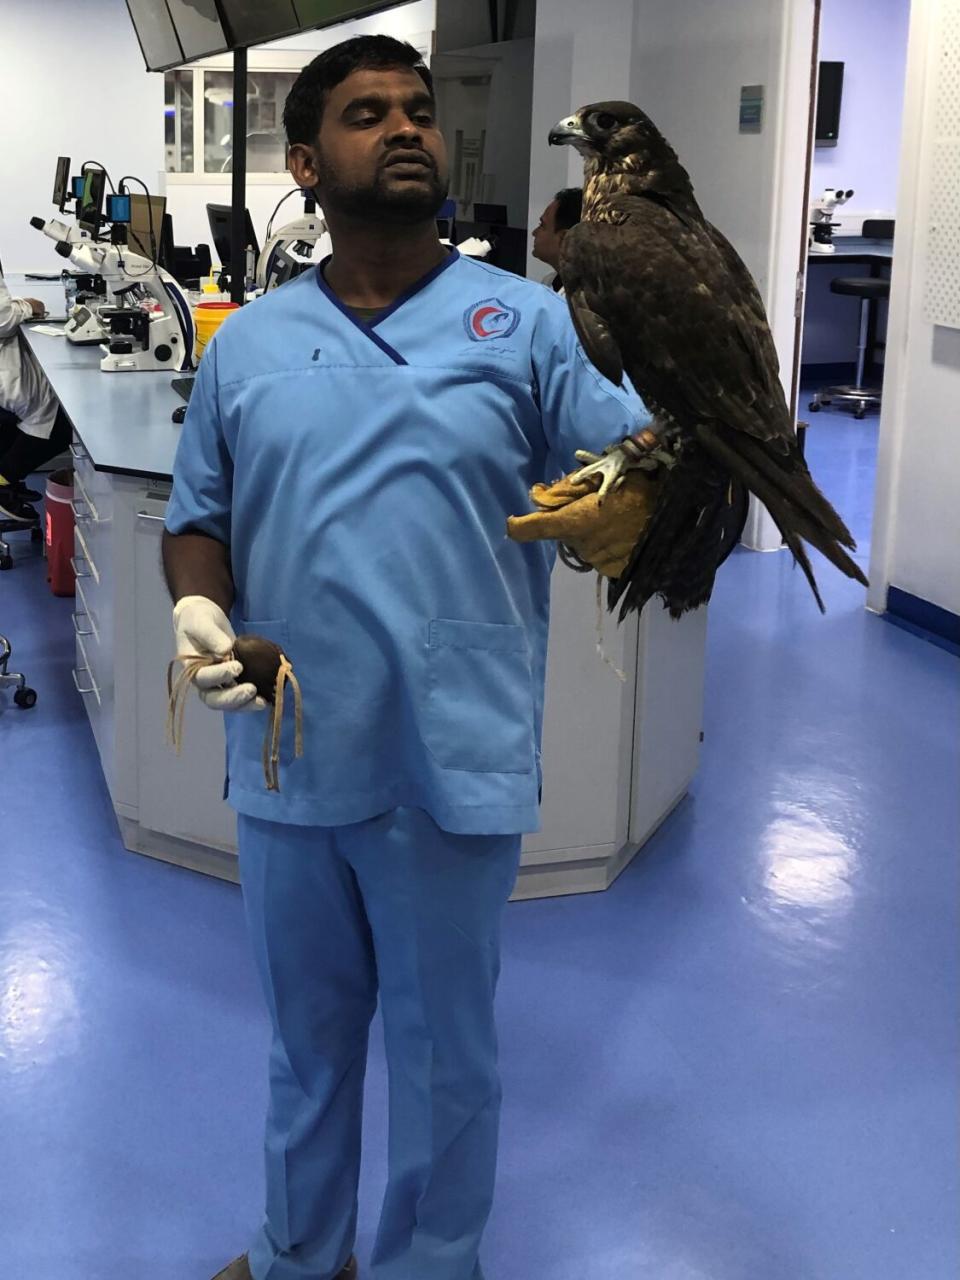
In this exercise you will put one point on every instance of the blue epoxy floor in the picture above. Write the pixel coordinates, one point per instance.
(738, 1064)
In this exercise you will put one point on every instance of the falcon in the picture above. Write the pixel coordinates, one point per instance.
(660, 295)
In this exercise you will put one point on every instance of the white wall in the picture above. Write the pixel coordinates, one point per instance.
(494, 111)
(684, 64)
(575, 62)
(690, 61)
(117, 118)
(49, 107)
(916, 531)
(870, 38)
(866, 157)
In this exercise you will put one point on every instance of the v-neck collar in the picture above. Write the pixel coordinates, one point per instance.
(369, 330)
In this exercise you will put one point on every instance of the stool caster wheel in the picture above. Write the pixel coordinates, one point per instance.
(860, 414)
(814, 406)
(6, 562)
(25, 698)
(36, 535)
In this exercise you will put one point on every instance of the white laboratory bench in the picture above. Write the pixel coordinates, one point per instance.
(617, 757)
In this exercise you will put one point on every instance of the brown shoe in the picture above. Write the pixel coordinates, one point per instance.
(239, 1269)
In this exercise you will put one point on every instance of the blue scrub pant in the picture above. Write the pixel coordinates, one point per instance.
(337, 914)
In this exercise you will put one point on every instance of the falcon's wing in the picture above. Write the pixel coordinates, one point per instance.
(672, 297)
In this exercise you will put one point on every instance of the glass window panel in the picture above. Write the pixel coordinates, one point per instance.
(266, 93)
(178, 121)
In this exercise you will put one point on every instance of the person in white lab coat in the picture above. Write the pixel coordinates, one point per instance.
(33, 426)
(563, 212)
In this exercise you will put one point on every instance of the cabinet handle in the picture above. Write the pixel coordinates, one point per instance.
(84, 498)
(76, 680)
(145, 515)
(77, 452)
(76, 623)
(85, 612)
(85, 555)
(73, 566)
(74, 503)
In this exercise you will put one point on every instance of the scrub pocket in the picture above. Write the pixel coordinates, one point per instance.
(479, 705)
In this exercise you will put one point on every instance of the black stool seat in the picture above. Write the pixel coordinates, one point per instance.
(861, 286)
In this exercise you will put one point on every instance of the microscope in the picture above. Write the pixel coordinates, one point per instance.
(124, 302)
(148, 321)
(289, 251)
(821, 219)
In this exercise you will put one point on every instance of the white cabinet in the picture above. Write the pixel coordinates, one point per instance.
(179, 795)
(617, 754)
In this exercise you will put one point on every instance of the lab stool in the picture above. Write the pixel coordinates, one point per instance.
(15, 526)
(868, 289)
(24, 698)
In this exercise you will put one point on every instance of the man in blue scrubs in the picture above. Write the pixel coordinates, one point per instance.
(354, 444)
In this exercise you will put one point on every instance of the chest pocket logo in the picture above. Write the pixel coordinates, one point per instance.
(489, 319)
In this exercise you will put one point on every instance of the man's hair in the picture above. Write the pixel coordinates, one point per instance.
(303, 110)
(569, 208)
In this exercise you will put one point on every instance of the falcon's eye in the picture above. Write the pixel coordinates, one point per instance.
(605, 121)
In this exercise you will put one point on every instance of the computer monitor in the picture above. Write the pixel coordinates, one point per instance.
(250, 22)
(495, 214)
(220, 217)
(61, 182)
(447, 220)
(167, 255)
(198, 27)
(146, 225)
(829, 98)
(90, 201)
(156, 34)
(509, 244)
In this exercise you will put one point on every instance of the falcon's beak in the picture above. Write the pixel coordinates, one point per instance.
(567, 130)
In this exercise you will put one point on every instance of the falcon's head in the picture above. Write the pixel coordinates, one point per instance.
(616, 134)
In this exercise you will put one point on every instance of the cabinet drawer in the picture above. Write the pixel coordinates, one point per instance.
(85, 509)
(98, 713)
(83, 675)
(87, 566)
(96, 485)
(98, 649)
(86, 623)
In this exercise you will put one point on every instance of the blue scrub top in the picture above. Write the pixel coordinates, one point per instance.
(362, 475)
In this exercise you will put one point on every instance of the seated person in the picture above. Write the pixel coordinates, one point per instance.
(562, 213)
(33, 427)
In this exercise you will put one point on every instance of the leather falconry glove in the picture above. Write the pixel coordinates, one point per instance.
(601, 532)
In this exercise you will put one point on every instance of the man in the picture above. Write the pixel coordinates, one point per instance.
(563, 212)
(33, 427)
(353, 446)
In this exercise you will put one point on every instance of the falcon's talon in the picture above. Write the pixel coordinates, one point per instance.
(610, 467)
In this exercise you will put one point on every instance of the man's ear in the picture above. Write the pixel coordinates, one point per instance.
(302, 165)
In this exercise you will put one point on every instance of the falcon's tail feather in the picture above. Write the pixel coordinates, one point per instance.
(697, 523)
(787, 490)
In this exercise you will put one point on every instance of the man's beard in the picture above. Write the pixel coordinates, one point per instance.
(405, 204)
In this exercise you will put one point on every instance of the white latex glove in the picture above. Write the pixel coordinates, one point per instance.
(202, 627)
